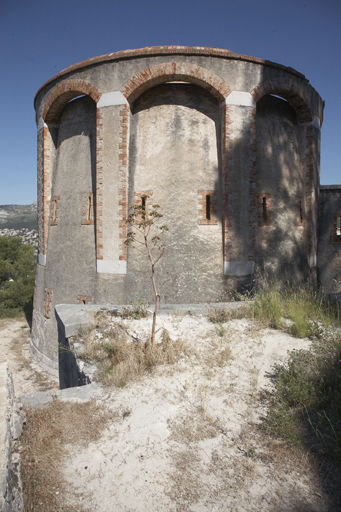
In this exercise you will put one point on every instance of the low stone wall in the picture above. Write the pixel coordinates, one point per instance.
(11, 422)
(72, 318)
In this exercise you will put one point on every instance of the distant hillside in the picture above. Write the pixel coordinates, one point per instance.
(17, 216)
(20, 220)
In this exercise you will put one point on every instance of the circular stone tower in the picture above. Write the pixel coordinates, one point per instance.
(227, 145)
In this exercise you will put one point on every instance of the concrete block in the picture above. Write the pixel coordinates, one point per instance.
(111, 267)
(243, 99)
(238, 268)
(41, 258)
(109, 99)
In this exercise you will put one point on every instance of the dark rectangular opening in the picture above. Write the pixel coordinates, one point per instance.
(265, 209)
(208, 207)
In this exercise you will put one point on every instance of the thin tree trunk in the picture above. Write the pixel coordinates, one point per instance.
(157, 296)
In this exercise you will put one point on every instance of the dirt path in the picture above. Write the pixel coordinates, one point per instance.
(184, 438)
(27, 376)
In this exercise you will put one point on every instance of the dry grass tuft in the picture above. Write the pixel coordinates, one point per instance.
(225, 314)
(186, 485)
(20, 349)
(121, 359)
(218, 357)
(195, 427)
(46, 439)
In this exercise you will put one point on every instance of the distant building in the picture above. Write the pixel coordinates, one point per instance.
(227, 145)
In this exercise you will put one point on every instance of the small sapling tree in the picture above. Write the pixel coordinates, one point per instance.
(145, 236)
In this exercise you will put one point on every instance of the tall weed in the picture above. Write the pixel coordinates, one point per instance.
(301, 307)
(268, 307)
(306, 405)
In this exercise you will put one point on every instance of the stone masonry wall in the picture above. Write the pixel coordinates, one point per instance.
(329, 240)
(227, 145)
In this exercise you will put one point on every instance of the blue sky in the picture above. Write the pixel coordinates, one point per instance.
(39, 38)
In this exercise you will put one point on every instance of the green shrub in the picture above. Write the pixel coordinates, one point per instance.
(137, 310)
(17, 274)
(306, 405)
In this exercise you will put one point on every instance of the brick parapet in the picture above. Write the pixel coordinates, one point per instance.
(154, 51)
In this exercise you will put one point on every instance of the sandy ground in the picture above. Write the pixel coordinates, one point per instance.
(27, 376)
(186, 437)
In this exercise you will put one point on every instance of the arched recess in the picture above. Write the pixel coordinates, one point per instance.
(289, 90)
(170, 71)
(308, 123)
(140, 83)
(63, 93)
(56, 102)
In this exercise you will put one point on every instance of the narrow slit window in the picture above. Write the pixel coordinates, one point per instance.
(90, 208)
(143, 204)
(208, 207)
(142, 200)
(301, 213)
(338, 226)
(265, 209)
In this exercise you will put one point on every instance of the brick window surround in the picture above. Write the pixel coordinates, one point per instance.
(264, 210)
(139, 199)
(83, 299)
(336, 229)
(300, 211)
(54, 210)
(47, 302)
(207, 207)
(88, 209)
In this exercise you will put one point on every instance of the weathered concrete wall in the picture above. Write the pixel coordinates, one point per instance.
(174, 155)
(190, 127)
(71, 250)
(329, 240)
(281, 245)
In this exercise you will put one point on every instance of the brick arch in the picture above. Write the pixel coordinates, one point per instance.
(294, 93)
(63, 93)
(169, 71)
